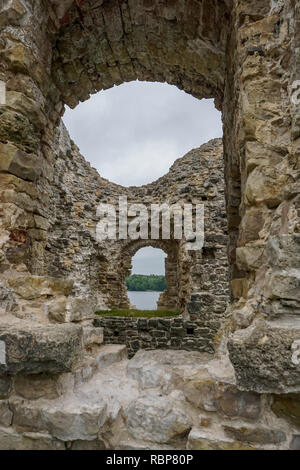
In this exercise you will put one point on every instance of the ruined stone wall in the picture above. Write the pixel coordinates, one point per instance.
(53, 61)
(98, 270)
(157, 333)
(57, 53)
(159, 400)
(265, 163)
(196, 178)
(90, 274)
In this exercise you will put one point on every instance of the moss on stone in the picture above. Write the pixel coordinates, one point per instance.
(132, 313)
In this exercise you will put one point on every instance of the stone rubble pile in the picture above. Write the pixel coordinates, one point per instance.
(160, 399)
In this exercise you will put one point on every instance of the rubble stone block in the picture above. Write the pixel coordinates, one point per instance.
(156, 419)
(5, 386)
(287, 407)
(32, 348)
(200, 439)
(36, 386)
(295, 443)
(255, 435)
(263, 356)
(6, 415)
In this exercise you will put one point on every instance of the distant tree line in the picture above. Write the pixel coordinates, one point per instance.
(151, 282)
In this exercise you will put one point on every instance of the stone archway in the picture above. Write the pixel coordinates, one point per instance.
(110, 42)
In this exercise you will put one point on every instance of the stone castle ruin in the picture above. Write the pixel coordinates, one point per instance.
(224, 375)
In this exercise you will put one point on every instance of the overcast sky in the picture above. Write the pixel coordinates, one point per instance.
(133, 133)
(149, 261)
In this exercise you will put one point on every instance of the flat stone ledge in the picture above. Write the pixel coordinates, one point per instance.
(265, 356)
(28, 348)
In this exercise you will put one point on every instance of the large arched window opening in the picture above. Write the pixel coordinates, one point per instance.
(132, 133)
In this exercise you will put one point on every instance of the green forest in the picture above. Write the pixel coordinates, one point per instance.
(141, 282)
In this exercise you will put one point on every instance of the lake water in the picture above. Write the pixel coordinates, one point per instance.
(144, 300)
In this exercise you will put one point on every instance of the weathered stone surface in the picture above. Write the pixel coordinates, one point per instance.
(33, 387)
(240, 288)
(266, 185)
(88, 445)
(283, 250)
(234, 403)
(159, 368)
(255, 435)
(157, 419)
(168, 333)
(207, 394)
(36, 348)
(263, 356)
(12, 13)
(68, 309)
(283, 285)
(287, 407)
(250, 257)
(119, 411)
(32, 287)
(75, 422)
(126, 38)
(5, 413)
(21, 164)
(7, 152)
(206, 272)
(110, 354)
(148, 372)
(7, 299)
(251, 67)
(92, 336)
(67, 420)
(130, 444)
(5, 386)
(295, 444)
(41, 441)
(12, 440)
(251, 226)
(200, 439)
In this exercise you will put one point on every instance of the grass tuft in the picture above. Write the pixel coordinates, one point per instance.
(132, 313)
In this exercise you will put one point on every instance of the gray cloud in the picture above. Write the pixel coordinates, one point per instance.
(133, 133)
(149, 261)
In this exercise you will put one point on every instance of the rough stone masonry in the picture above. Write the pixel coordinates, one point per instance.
(56, 377)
